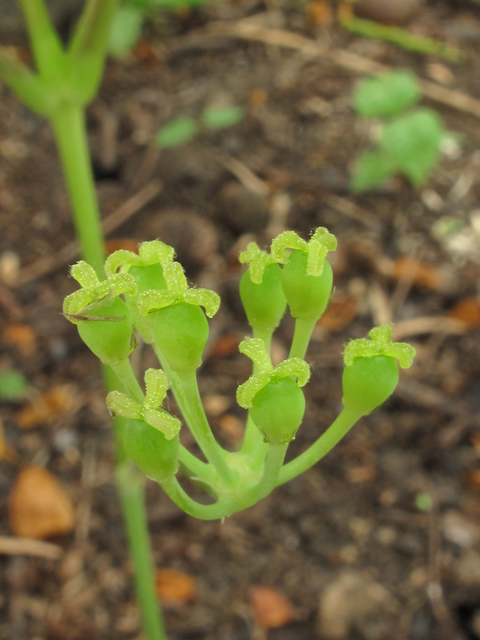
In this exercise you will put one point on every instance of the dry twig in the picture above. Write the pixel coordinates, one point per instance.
(29, 547)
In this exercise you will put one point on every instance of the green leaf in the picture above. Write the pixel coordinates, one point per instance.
(386, 95)
(371, 170)
(176, 132)
(125, 32)
(413, 141)
(13, 385)
(222, 117)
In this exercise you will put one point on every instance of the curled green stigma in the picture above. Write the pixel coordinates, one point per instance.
(94, 293)
(255, 349)
(149, 253)
(177, 291)
(257, 259)
(321, 242)
(156, 385)
(380, 344)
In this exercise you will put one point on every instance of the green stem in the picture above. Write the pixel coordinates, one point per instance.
(253, 445)
(131, 486)
(68, 124)
(200, 427)
(124, 372)
(301, 337)
(273, 464)
(202, 469)
(320, 448)
(224, 507)
(69, 127)
(402, 38)
(199, 468)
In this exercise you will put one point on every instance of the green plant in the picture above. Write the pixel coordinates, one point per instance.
(149, 292)
(409, 138)
(171, 317)
(183, 129)
(131, 15)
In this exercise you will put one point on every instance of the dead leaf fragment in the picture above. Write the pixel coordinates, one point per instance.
(225, 346)
(473, 479)
(319, 13)
(128, 244)
(418, 273)
(231, 428)
(175, 587)
(22, 338)
(468, 311)
(271, 608)
(339, 314)
(39, 506)
(48, 407)
(257, 97)
(360, 475)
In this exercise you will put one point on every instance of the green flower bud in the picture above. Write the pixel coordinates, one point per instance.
(273, 396)
(307, 276)
(307, 296)
(371, 372)
(278, 409)
(368, 382)
(181, 331)
(264, 302)
(156, 456)
(104, 320)
(180, 328)
(107, 330)
(146, 266)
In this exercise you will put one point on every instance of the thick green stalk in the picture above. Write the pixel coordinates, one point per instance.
(273, 464)
(301, 338)
(124, 372)
(201, 429)
(131, 487)
(332, 436)
(68, 124)
(69, 127)
(224, 507)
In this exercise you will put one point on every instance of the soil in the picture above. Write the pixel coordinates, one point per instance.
(350, 530)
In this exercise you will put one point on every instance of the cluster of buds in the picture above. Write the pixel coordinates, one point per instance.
(147, 294)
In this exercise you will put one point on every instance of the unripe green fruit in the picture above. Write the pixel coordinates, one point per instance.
(368, 382)
(149, 277)
(109, 340)
(156, 456)
(181, 332)
(307, 296)
(278, 409)
(264, 303)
